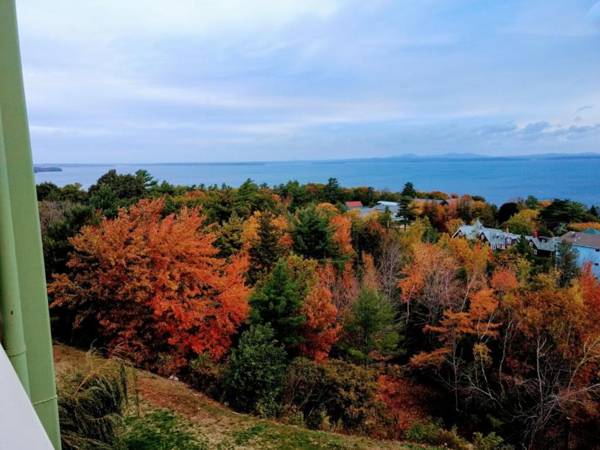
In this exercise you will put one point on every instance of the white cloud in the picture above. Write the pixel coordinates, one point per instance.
(110, 19)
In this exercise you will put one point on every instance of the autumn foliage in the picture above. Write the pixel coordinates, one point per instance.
(321, 329)
(284, 302)
(153, 287)
(404, 401)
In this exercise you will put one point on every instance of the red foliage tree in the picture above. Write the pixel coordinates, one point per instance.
(153, 286)
(321, 329)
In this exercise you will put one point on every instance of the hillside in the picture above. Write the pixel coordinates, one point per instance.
(213, 422)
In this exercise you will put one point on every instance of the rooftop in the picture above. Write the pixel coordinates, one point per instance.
(582, 239)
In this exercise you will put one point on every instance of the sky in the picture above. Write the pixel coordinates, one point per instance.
(242, 80)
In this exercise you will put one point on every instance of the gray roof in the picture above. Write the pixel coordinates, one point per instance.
(543, 243)
(582, 239)
(499, 239)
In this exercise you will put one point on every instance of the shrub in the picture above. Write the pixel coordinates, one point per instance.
(406, 402)
(432, 433)
(489, 442)
(206, 375)
(254, 379)
(336, 392)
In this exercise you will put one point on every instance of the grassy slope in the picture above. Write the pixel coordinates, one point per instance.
(224, 428)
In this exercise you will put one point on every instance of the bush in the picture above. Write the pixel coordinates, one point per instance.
(337, 392)
(160, 430)
(206, 375)
(489, 442)
(406, 402)
(432, 433)
(254, 378)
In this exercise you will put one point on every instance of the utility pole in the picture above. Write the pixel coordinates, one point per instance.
(23, 300)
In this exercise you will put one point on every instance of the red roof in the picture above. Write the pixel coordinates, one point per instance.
(354, 204)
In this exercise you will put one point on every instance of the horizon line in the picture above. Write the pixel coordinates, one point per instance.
(449, 155)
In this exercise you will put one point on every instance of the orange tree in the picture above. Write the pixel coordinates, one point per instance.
(527, 357)
(153, 287)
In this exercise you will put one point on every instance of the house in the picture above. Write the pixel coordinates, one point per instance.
(496, 238)
(354, 204)
(587, 245)
(500, 240)
(380, 208)
(542, 245)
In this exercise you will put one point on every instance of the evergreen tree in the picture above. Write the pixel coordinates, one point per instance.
(409, 191)
(229, 236)
(113, 191)
(371, 327)
(566, 263)
(562, 212)
(333, 192)
(386, 218)
(249, 197)
(405, 212)
(594, 212)
(506, 211)
(265, 250)
(532, 202)
(523, 248)
(278, 303)
(312, 235)
(430, 234)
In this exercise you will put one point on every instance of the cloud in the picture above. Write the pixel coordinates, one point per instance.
(233, 79)
(110, 19)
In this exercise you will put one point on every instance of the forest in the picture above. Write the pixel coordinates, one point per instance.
(282, 302)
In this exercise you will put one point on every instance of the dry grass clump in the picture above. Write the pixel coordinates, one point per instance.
(91, 406)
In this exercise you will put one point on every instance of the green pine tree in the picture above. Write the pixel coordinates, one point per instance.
(312, 235)
(409, 190)
(277, 303)
(566, 263)
(370, 328)
(265, 250)
(405, 212)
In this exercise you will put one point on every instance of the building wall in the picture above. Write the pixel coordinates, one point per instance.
(587, 254)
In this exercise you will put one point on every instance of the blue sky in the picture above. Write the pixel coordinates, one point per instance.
(231, 80)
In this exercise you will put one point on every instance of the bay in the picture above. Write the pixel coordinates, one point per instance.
(496, 179)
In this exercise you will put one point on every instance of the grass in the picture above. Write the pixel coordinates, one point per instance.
(167, 415)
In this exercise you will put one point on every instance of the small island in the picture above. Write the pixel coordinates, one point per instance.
(37, 169)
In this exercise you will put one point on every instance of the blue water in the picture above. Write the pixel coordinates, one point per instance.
(497, 179)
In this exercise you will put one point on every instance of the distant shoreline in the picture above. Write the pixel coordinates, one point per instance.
(404, 157)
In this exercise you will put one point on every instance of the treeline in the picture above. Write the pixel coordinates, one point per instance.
(282, 303)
